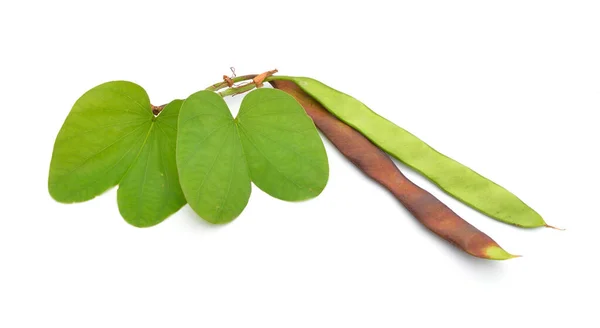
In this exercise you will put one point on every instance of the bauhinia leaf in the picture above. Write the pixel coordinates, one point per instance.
(111, 137)
(272, 141)
(286, 156)
(150, 190)
(212, 167)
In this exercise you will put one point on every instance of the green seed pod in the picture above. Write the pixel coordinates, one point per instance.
(451, 176)
(377, 165)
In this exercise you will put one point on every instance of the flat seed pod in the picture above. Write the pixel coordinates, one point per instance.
(451, 176)
(111, 137)
(272, 142)
(377, 165)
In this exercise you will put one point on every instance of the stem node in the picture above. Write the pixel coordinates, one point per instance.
(259, 79)
(157, 109)
(232, 90)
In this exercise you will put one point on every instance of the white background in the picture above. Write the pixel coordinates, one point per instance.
(510, 88)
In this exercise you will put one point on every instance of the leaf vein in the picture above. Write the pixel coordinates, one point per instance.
(99, 152)
(190, 157)
(290, 149)
(210, 169)
(104, 126)
(145, 111)
(268, 160)
(248, 109)
(220, 209)
(143, 184)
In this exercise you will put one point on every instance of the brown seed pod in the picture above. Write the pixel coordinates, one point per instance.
(376, 164)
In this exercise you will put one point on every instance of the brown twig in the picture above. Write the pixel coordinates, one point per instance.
(257, 82)
(260, 78)
(228, 80)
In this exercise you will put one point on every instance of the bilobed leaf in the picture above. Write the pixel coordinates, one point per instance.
(99, 140)
(110, 136)
(285, 154)
(212, 167)
(272, 141)
(150, 190)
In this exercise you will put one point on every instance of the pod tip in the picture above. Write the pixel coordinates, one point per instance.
(497, 253)
(553, 227)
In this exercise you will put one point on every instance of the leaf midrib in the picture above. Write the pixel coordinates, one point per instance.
(268, 160)
(290, 149)
(212, 166)
(140, 194)
(226, 196)
(99, 152)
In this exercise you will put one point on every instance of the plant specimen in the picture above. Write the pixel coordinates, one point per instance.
(194, 151)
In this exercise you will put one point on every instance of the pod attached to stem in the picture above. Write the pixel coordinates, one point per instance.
(376, 164)
(454, 178)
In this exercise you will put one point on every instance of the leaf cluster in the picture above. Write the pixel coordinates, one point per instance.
(194, 151)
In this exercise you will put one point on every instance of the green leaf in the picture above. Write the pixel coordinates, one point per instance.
(150, 191)
(272, 141)
(111, 137)
(212, 167)
(286, 156)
